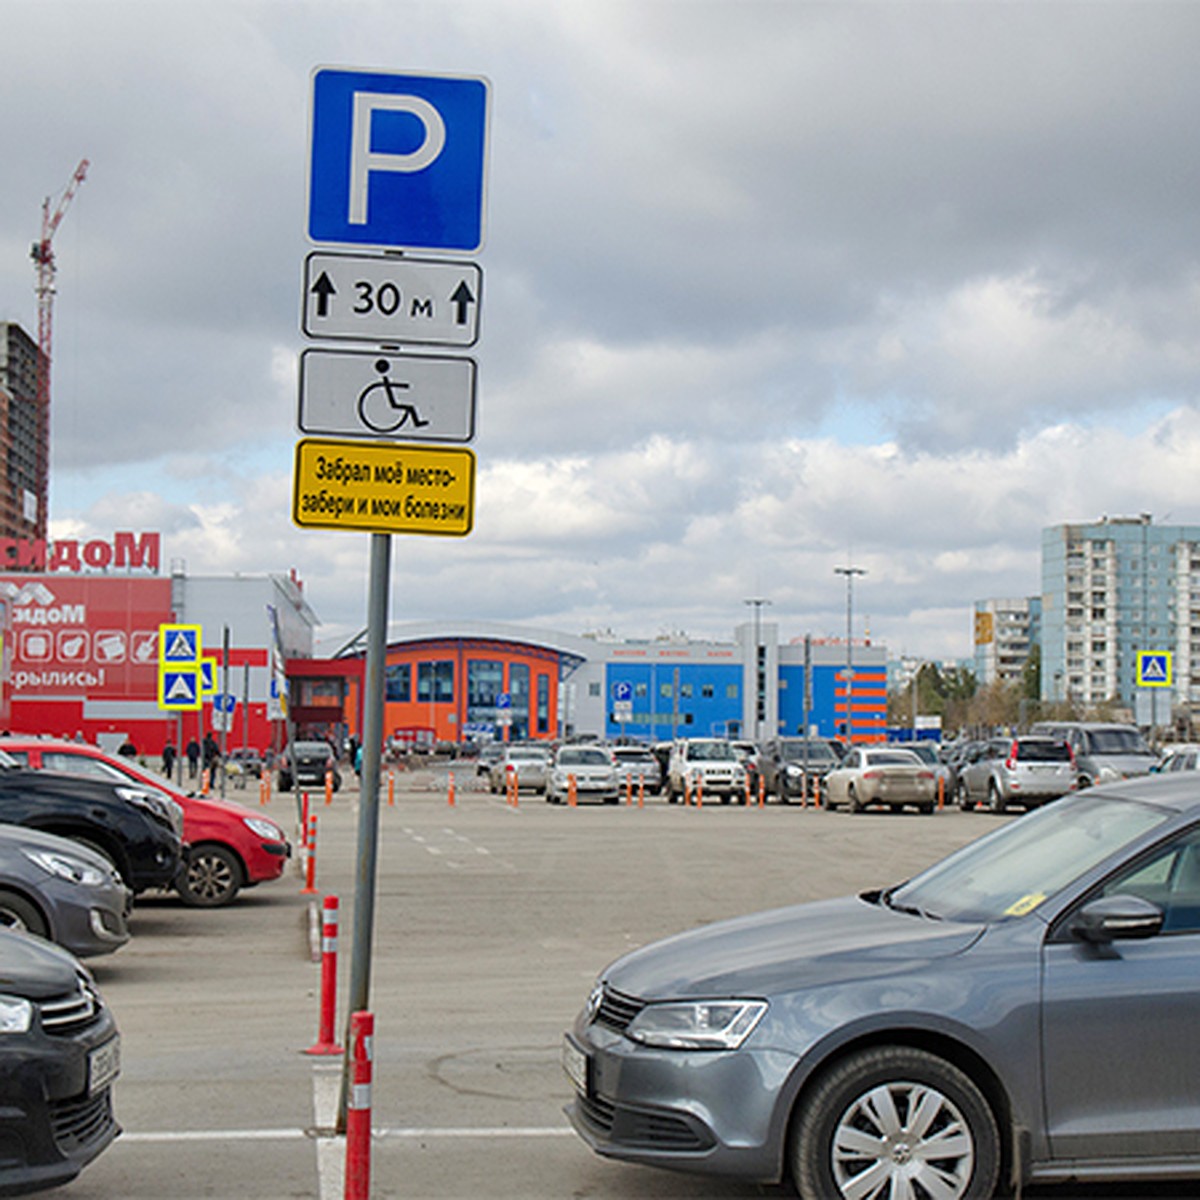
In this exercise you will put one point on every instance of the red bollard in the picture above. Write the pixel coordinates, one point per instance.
(329, 950)
(358, 1107)
(303, 820)
(310, 869)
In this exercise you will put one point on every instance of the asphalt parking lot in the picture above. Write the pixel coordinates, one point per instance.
(491, 924)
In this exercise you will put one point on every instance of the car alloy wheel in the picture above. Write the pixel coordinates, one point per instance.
(18, 913)
(210, 877)
(895, 1121)
(996, 801)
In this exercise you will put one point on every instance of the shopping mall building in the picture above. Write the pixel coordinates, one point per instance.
(81, 657)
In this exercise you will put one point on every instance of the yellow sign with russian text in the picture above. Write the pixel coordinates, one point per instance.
(383, 487)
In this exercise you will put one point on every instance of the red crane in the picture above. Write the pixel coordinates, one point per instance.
(42, 254)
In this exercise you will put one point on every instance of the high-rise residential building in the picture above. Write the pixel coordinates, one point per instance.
(23, 437)
(1005, 633)
(1117, 594)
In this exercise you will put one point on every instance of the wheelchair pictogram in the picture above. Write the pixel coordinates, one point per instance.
(381, 408)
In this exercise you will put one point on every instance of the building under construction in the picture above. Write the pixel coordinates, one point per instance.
(24, 444)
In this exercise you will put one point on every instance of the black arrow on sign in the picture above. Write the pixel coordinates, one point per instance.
(324, 289)
(461, 299)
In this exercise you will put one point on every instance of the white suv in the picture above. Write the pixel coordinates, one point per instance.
(710, 763)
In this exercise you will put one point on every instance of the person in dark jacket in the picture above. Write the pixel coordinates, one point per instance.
(192, 750)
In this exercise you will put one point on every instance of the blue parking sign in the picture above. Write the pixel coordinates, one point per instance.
(398, 160)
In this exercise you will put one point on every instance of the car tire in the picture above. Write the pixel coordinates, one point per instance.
(925, 809)
(845, 1100)
(963, 796)
(211, 876)
(852, 801)
(20, 914)
(996, 802)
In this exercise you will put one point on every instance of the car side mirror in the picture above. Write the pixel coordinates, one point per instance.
(1117, 918)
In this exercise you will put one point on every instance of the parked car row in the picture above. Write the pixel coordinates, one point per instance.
(82, 833)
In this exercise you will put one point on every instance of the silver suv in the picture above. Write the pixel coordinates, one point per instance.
(1103, 752)
(1016, 770)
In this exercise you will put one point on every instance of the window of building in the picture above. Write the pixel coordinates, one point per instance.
(397, 683)
(435, 681)
(518, 690)
(485, 682)
(543, 703)
(685, 691)
(706, 691)
(593, 689)
(664, 689)
(731, 691)
(640, 690)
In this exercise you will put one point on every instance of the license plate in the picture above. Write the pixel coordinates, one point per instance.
(575, 1063)
(104, 1064)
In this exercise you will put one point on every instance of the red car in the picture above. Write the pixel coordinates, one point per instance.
(226, 846)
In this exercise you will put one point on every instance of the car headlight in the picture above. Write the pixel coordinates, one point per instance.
(264, 828)
(16, 1014)
(162, 807)
(64, 866)
(702, 1025)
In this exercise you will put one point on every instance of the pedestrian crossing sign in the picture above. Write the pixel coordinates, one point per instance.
(178, 644)
(179, 688)
(1154, 668)
(208, 676)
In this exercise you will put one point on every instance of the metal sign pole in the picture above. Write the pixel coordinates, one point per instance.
(368, 807)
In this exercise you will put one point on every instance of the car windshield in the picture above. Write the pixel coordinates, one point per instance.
(526, 752)
(1014, 870)
(925, 751)
(1035, 751)
(1117, 741)
(875, 758)
(582, 758)
(634, 756)
(806, 751)
(710, 752)
(7, 760)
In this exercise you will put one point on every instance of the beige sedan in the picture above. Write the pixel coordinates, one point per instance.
(884, 775)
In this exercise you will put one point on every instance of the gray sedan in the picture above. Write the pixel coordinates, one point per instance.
(62, 891)
(1023, 1011)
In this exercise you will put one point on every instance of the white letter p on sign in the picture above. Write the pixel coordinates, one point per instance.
(364, 161)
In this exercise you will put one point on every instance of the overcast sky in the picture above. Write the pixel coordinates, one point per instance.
(770, 288)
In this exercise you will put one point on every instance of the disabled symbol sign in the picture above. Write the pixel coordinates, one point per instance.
(365, 394)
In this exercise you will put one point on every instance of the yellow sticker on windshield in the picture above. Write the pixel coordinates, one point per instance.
(1026, 904)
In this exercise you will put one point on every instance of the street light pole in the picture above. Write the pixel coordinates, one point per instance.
(849, 573)
(759, 686)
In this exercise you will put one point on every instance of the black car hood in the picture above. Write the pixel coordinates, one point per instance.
(34, 969)
(27, 779)
(786, 948)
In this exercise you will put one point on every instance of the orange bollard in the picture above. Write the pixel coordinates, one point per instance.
(328, 787)
(391, 788)
(514, 789)
(450, 790)
(628, 790)
(747, 791)
(941, 793)
(310, 867)
(326, 1043)
(204, 782)
(262, 789)
(641, 791)
(817, 792)
(762, 792)
(303, 820)
(572, 792)
(804, 793)
(700, 792)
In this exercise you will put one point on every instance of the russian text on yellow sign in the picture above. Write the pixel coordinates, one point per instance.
(1154, 668)
(383, 487)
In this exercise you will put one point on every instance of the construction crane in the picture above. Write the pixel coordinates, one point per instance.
(42, 254)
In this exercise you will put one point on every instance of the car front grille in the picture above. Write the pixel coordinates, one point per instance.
(72, 1012)
(641, 1127)
(617, 1009)
(81, 1122)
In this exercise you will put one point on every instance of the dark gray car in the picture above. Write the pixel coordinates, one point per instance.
(1023, 1010)
(62, 891)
